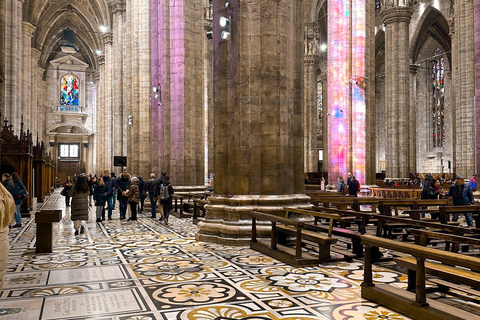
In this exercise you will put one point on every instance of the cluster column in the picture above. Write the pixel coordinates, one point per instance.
(311, 59)
(100, 115)
(34, 106)
(412, 120)
(477, 79)
(107, 106)
(258, 118)
(397, 87)
(28, 31)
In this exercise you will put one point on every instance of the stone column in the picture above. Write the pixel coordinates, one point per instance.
(100, 116)
(311, 60)
(465, 87)
(477, 81)
(208, 75)
(28, 31)
(117, 8)
(412, 120)
(258, 119)
(324, 120)
(178, 119)
(35, 101)
(107, 106)
(397, 86)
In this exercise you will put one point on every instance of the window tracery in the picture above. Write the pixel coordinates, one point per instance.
(438, 101)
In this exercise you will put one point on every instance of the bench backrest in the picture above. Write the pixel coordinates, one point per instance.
(444, 236)
(423, 252)
(312, 213)
(459, 209)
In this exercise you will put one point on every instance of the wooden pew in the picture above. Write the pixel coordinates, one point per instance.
(178, 207)
(198, 209)
(422, 238)
(446, 211)
(362, 218)
(294, 228)
(400, 300)
(385, 205)
(361, 201)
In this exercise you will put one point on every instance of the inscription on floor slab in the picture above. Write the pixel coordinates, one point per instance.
(86, 275)
(94, 304)
(25, 279)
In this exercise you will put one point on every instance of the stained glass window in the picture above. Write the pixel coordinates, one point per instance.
(438, 95)
(69, 93)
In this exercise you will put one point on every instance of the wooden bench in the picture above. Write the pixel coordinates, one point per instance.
(361, 218)
(44, 220)
(178, 207)
(362, 201)
(446, 211)
(198, 209)
(294, 228)
(189, 204)
(422, 237)
(400, 300)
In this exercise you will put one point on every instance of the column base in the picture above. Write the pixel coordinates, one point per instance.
(228, 220)
(185, 190)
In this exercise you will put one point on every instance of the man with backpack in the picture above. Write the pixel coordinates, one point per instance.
(151, 187)
(165, 195)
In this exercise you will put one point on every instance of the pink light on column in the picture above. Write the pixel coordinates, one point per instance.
(346, 100)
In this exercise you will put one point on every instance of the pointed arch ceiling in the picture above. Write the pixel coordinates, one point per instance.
(51, 17)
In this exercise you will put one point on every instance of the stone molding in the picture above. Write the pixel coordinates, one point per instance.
(101, 59)
(413, 68)
(107, 37)
(36, 54)
(397, 14)
(311, 59)
(40, 71)
(28, 29)
(96, 76)
(117, 5)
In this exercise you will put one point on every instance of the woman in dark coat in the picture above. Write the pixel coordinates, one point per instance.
(66, 188)
(17, 192)
(79, 193)
(100, 197)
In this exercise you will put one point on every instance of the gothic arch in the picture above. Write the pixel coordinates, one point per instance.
(433, 24)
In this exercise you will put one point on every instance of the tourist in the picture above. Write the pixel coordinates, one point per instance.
(79, 193)
(435, 191)
(8, 182)
(165, 195)
(151, 188)
(66, 188)
(123, 183)
(133, 194)
(353, 185)
(341, 185)
(143, 193)
(100, 198)
(110, 189)
(473, 183)
(19, 193)
(462, 195)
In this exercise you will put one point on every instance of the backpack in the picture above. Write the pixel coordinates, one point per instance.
(164, 193)
(358, 184)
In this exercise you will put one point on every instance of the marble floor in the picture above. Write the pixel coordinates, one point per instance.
(144, 270)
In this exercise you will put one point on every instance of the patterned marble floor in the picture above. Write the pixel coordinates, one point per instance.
(145, 270)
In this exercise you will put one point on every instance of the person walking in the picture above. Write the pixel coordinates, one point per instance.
(123, 182)
(66, 188)
(79, 193)
(151, 188)
(353, 185)
(8, 182)
(143, 193)
(133, 194)
(90, 185)
(100, 198)
(461, 195)
(165, 195)
(341, 185)
(18, 194)
(110, 189)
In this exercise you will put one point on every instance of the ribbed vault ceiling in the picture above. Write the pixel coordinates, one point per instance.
(51, 17)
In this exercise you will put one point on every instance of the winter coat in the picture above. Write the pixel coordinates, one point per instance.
(432, 193)
(79, 204)
(8, 184)
(141, 188)
(123, 183)
(133, 193)
(461, 195)
(352, 185)
(100, 195)
(151, 187)
(341, 186)
(17, 191)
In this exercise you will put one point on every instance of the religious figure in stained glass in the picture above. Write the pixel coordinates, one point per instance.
(69, 92)
(438, 94)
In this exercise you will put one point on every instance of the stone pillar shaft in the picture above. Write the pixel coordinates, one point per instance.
(27, 30)
(465, 87)
(36, 88)
(412, 120)
(107, 106)
(100, 115)
(397, 88)
(258, 119)
(477, 80)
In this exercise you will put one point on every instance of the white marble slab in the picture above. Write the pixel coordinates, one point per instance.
(19, 280)
(92, 304)
(20, 310)
(86, 275)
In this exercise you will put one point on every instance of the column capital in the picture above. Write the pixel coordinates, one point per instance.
(36, 54)
(107, 37)
(396, 14)
(311, 58)
(96, 76)
(28, 29)
(101, 59)
(117, 5)
(40, 71)
(413, 68)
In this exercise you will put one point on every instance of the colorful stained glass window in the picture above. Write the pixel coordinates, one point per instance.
(438, 95)
(69, 93)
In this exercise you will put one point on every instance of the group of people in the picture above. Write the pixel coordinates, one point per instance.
(19, 192)
(461, 193)
(106, 189)
(352, 187)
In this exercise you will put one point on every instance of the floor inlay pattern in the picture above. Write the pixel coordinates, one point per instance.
(144, 270)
